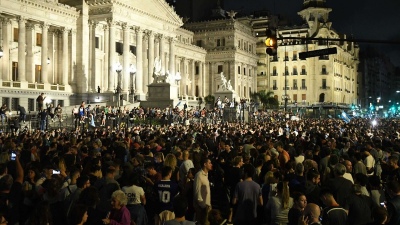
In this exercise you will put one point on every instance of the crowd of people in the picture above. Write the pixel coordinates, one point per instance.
(273, 171)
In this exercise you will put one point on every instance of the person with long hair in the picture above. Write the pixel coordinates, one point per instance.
(278, 206)
(171, 161)
(300, 202)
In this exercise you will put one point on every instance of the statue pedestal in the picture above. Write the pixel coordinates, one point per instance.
(161, 95)
(231, 95)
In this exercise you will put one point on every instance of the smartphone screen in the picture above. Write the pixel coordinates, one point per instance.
(13, 156)
(56, 172)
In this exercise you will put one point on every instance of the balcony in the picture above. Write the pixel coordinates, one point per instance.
(294, 73)
(274, 59)
(324, 57)
(274, 74)
(325, 88)
(295, 88)
(303, 73)
(274, 88)
(286, 58)
(324, 72)
(294, 58)
(303, 88)
(286, 73)
(287, 88)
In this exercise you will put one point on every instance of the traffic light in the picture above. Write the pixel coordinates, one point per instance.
(271, 42)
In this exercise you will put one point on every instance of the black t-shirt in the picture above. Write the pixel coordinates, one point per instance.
(334, 216)
(14, 200)
(293, 216)
(360, 209)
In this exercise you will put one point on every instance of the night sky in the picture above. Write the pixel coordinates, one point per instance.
(364, 19)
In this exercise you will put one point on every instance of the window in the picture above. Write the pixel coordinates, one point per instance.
(31, 104)
(303, 97)
(244, 71)
(294, 70)
(199, 43)
(323, 83)
(295, 97)
(286, 70)
(197, 70)
(5, 101)
(61, 103)
(324, 70)
(274, 73)
(16, 34)
(286, 56)
(274, 86)
(294, 56)
(220, 69)
(218, 42)
(14, 104)
(244, 92)
(97, 42)
(303, 70)
(38, 39)
(303, 83)
(295, 84)
(238, 69)
(14, 71)
(38, 70)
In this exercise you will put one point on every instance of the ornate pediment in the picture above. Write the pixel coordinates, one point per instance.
(155, 9)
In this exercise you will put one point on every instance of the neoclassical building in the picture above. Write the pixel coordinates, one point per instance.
(330, 79)
(231, 50)
(71, 49)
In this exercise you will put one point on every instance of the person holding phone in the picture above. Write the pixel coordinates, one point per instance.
(311, 215)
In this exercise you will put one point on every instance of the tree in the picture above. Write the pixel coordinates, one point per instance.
(266, 98)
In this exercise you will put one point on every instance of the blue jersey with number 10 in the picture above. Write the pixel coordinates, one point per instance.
(166, 191)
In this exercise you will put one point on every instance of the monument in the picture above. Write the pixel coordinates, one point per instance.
(226, 90)
(163, 92)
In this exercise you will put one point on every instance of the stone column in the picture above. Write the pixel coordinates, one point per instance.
(162, 53)
(44, 72)
(151, 56)
(185, 75)
(139, 66)
(65, 56)
(6, 40)
(105, 66)
(157, 47)
(21, 48)
(193, 66)
(111, 56)
(30, 67)
(145, 62)
(126, 64)
(201, 79)
(93, 78)
(72, 56)
(172, 57)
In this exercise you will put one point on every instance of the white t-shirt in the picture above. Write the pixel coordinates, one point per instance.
(133, 193)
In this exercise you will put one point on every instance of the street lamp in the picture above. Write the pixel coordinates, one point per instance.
(177, 79)
(285, 98)
(118, 69)
(132, 72)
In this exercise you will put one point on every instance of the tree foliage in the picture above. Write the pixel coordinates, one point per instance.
(266, 98)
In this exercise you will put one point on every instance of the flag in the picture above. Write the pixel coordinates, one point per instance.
(178, 104)
(344, 116)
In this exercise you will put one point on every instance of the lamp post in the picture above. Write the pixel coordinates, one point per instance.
(243, 102)
(132, 72)
(177, 79)
(118, 69)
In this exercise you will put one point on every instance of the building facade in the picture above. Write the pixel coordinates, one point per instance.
(231, 50)
(329, 80)
(76, 50)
